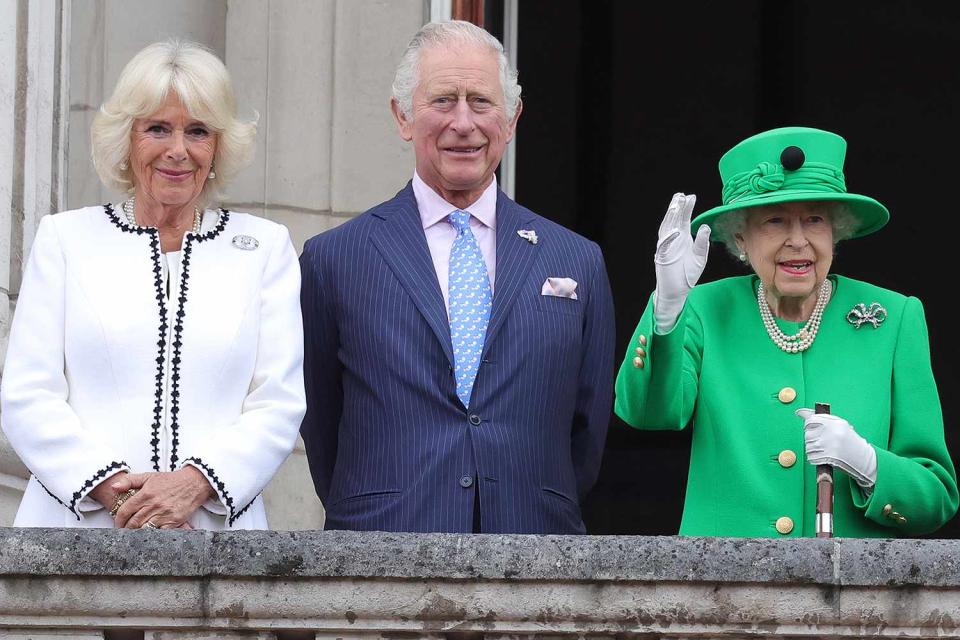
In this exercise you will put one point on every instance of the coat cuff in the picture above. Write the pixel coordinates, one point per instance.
(224, 505)
(80, 501)
(879, 505)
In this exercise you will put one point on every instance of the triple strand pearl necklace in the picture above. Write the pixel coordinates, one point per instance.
(132, 219)
(801, 340)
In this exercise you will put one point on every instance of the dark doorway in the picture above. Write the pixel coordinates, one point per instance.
(626, 103)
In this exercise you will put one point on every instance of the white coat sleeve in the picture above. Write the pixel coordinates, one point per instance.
(239, 459)
(64, 456)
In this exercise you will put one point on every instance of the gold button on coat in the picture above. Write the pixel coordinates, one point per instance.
(638, 363)
(784, 525)
(887, 509)
(641, 351)
(787, 395)
(643, 339)
(787, 458)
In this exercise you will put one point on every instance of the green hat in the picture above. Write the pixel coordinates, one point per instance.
(792, 164)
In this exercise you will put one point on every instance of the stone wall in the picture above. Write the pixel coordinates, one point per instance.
(316, 72)
(172, 584)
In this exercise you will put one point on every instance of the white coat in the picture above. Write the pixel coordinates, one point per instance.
(104, 373)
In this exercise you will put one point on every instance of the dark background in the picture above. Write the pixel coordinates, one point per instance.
(626, 103)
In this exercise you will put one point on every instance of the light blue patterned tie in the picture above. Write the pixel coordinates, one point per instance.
(470, 302)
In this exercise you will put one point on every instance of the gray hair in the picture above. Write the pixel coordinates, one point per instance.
(728, 226)
(440, 34)
(202, 83)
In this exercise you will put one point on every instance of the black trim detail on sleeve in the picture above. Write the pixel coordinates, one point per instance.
(50, 493)
(219, 486)
(91, 483)
(242, 511)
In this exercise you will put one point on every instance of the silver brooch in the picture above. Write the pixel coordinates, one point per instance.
(860, 314)
(529, 235)
(247, 243)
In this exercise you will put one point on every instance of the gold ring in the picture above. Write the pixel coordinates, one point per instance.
(149, 525)
(123, 497)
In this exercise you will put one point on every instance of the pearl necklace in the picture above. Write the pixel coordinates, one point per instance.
(801, 340)
(132, 219)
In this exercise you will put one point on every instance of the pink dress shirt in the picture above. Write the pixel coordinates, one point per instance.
(441, 234)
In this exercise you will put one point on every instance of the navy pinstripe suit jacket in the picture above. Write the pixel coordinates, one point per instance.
(389, 443)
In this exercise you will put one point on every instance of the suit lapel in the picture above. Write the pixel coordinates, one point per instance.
(514, 258)
(401, 242)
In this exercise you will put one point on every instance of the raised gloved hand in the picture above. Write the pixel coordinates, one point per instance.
(679, 260)
(830, 439)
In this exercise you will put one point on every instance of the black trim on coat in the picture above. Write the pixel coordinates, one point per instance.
(92, 482)
(224, 216)
(220, 487)
(162, 338)
(178, 331)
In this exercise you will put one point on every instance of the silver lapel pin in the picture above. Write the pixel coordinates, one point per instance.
(529, 235)
(875, 314)
(247, 243)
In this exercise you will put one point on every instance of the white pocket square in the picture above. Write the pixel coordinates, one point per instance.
(560, 287)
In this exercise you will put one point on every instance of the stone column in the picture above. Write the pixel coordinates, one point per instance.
(34, 39)
(319, 72)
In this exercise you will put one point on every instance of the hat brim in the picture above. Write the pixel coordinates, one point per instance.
(871, 214)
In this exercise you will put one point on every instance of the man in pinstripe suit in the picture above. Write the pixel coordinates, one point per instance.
(459, 348)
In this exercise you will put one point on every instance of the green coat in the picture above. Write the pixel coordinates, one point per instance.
(719, 367)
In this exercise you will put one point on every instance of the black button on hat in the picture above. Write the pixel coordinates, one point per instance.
(792, 158)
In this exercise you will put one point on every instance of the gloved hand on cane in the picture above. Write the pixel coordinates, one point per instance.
(830, 439)
(679, 260)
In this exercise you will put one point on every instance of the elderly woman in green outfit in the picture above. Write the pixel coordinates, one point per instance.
(745, 358)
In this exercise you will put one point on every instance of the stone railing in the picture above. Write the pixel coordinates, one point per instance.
(69, 583)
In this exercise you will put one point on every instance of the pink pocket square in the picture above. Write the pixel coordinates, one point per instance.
(560, 287)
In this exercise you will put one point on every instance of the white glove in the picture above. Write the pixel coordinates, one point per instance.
(679, 261)
(830, 439)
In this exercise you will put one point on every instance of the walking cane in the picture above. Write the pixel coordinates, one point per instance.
(824, 489)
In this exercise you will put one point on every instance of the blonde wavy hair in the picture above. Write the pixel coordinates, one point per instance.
(202, 83)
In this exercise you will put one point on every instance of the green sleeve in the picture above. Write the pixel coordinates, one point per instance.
(662, 393)
(915, 475)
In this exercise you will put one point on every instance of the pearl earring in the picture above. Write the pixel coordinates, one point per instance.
(212, 174)
(742, 256)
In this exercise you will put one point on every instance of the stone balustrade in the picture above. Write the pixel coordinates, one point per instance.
(70, 583)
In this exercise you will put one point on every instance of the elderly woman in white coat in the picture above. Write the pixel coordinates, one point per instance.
(154, 370)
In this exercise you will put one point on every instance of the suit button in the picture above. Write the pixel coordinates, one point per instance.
(638, 363)
(474, 419)
(787, 395)
(642, 339)
(784, 525)
(787, 458)
(641, 351)
(893, 515)
(466, 482)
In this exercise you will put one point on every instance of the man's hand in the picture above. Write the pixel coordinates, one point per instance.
(679, 260)
(167, 499)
